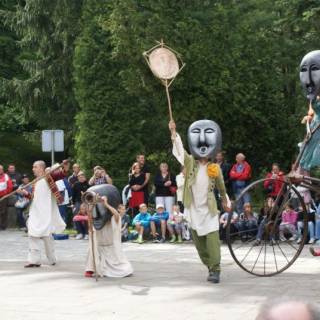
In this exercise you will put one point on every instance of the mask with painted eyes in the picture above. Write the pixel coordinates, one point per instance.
(204, 139)
(310, 74)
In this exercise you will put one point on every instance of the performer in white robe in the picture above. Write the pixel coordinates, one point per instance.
(110, 260)
(44, 217)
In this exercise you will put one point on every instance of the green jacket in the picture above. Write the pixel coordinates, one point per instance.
(191, 170)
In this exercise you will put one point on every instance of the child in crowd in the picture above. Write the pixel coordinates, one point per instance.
(81, 223)
(159, 220)
(141, 222)
(175, 224)
(288, 224)
(247, 224)
(223, 224)
(125, 221)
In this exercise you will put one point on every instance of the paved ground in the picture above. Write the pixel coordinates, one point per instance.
(169, 283)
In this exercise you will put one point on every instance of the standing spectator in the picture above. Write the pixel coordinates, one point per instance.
(100, 176)
(225, 168)
(125, 222)
(74, 177)
(141, 222)
(63, 187)
(159, 221)
(240, 175)
(166, 187)
(81, 223)
(136, 184)
(247, 224)
(141, 159)
(273, 187)
(180, 179)
(14, 176)
(6, 187)
(289, 219)
(22, 201)
(79, 187)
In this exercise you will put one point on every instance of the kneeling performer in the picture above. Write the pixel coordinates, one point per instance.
(105, 256)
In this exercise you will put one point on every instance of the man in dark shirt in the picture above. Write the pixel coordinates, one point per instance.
(14, 176)
(74, 177)
(79, 188)
(225, 168)
(144, 169)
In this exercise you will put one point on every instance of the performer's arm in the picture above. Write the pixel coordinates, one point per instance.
(113, 211)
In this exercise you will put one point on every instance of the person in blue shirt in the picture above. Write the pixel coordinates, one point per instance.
(141, 222)
(159, 220)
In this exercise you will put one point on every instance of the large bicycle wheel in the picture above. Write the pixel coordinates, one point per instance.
(275, 252)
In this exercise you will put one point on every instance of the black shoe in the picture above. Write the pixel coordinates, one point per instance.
(32, 265)
(214, 276)
(155, 240)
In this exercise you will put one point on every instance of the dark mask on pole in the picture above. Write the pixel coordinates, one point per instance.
(204, 139)
(310, 74)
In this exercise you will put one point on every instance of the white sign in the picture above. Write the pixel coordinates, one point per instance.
(52, 140)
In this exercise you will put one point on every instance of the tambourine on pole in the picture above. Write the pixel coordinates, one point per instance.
(165, 63)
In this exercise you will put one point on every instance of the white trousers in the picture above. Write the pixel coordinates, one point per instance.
(34, 255)
(167, 202)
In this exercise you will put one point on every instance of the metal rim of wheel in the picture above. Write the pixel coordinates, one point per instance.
(265, 255)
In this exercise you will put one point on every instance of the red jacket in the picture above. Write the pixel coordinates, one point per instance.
(6, 185)
(244, 175)
(274, 186)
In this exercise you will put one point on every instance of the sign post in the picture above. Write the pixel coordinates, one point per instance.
(52, 141)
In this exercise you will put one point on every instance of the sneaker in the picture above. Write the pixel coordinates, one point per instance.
(283, 238)
(86, 237)
(299, 240)
(79, 236)
(214, 276)
(162, 240)
(293, 238)
(272, 242)
(256, 243)
(312, 241)
(155, 240)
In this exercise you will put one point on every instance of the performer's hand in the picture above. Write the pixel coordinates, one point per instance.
(172, 126)
(225, 206)
(104, 199)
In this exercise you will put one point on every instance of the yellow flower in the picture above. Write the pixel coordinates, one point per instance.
(213, 170)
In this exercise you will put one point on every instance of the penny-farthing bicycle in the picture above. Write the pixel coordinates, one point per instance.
(272, 255)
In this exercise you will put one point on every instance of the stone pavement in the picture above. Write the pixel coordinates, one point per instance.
(169, 282)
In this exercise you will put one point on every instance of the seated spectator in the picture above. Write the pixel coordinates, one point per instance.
(175, 224)
(288, 223)
(273, 186)
(79, 187)
(159, 221)
(136, 183)
(247, 224)
(99, 177)
(223, 224)
(311, 224)
(240, 175)
(263, 219)
(81, 223)
(316, 206)
(166, 187)
(141, 222)
(23, 201)
(125, 222)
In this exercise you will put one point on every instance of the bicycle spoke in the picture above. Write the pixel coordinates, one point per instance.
(257, 259)
(278, 244)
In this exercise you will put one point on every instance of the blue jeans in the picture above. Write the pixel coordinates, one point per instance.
(317, 223)
(244, 199)
(261, 230)
(63, 211)
(81, 227)
(20, 218)
(311, 229)
(247, 227)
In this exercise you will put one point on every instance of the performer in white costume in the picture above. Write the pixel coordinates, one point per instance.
(110, 260)
(44, 217)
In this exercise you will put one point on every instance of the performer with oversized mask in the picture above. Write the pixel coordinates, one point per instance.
(310, 81)
(105, 255)
(202, 176)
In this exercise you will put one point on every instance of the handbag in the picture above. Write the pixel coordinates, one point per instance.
(172, 189)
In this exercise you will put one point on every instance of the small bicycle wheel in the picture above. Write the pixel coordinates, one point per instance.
(265, 249)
